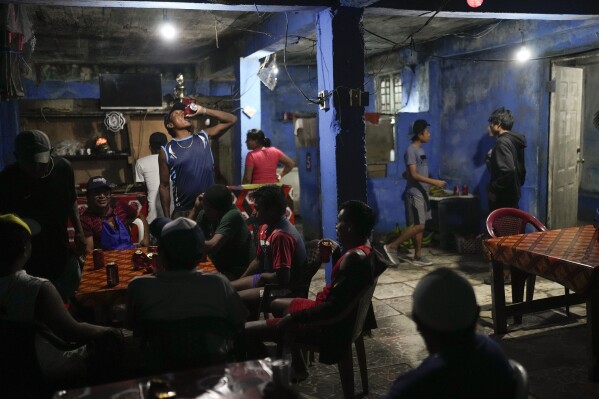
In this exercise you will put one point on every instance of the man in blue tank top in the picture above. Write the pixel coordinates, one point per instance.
(187, 159)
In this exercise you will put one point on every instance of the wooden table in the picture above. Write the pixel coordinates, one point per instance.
(94, 292)
(236, 380)
(567, 256)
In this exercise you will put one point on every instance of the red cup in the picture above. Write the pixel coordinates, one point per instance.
(325, 248)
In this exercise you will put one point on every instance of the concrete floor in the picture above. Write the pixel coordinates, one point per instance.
(551, 346)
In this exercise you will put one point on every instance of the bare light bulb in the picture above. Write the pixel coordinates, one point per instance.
(523, 54)
(167, 30)
(474, 3)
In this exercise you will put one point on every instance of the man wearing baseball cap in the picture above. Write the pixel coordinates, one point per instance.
(417, 204)
(462, 363)
(41, 187)
(30, 299)
(106, 222)
(146, 170)
(187, 159)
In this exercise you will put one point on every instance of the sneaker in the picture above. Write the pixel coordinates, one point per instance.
(391, 254)
(422, 261)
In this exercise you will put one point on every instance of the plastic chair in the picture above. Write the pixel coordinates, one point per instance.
(137, 231)
(169, 345)
(350, 322)
(511, 221)
(313, 263)
(520, 380)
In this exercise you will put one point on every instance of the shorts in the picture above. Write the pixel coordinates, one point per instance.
(418, 210)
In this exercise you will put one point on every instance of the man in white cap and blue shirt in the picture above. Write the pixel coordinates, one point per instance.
(41, 187)
(462, 363)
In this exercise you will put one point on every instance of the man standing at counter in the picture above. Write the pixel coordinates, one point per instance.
(418, 209)
(42, 187)
(505, 161)
(187, 159)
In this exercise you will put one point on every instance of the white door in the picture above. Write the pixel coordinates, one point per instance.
(564, 147)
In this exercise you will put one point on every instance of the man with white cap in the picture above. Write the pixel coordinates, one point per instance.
(41, 187)
(462, 363)
(178, 291)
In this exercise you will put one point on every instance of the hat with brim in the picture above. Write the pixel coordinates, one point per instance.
(97, 182)
(28, 224)
(33, 146)
(419, 126)
(183, 240)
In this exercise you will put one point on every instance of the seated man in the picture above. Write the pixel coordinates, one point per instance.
(462, 363)
(351, 274)
(178, 291)
(104, 226)
(230, 244)
(35, 300)
(281, 255)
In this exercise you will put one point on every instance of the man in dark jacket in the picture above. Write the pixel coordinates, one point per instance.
(505, 161)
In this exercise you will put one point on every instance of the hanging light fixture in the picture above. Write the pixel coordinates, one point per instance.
(474, 3)
(167, 29)
(523, 54)
(268, 71)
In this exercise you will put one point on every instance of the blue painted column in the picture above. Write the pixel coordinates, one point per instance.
(249, 88)
(340, 63)
(9, 128)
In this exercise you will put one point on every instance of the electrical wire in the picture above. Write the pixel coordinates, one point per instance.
(285, 63)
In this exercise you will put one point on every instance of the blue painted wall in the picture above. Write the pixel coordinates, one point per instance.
(462, 92)
(286, 97)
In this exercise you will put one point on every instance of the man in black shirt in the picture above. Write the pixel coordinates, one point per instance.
(505, 161)
(42, 187)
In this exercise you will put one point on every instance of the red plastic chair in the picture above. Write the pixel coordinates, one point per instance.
(511, 221)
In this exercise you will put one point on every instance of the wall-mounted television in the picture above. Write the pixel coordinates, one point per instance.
(130, 90)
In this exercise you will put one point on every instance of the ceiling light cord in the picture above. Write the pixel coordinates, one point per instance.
(316, 102)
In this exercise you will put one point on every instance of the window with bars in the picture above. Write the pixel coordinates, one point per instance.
(389, 93)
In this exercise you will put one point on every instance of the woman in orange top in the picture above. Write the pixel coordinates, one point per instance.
(261, 163)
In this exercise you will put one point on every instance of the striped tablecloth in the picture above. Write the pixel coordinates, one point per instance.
(567, 256)
(93, 281)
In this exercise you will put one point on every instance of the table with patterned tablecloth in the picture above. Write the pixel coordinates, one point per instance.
(94, 291)
(567, 256)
